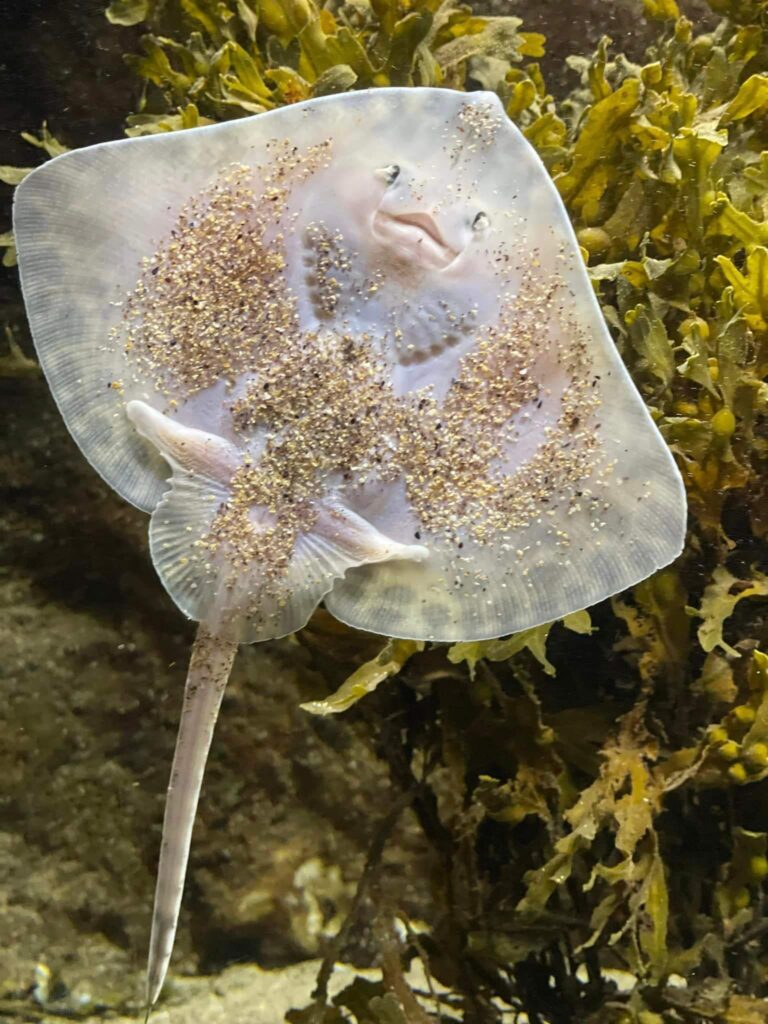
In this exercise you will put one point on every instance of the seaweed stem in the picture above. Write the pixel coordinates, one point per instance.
(372, 863)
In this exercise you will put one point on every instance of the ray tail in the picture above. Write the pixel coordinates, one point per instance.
(209, 670)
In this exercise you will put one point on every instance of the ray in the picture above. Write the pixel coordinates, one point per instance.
(345, 352)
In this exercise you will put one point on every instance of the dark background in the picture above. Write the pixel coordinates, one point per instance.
(60, 62)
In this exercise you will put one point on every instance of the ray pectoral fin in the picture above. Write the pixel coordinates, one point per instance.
(207, 678)
(194, 450)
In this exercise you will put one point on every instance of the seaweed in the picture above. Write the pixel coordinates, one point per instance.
(205, 60)
(594, 792)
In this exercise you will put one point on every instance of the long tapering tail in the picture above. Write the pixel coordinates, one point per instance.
(207, 677)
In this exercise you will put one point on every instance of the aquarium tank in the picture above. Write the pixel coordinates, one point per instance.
(557, 819)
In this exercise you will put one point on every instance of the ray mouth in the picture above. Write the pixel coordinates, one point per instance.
(415, 236)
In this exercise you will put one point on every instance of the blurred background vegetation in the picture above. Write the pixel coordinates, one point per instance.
(571, 824)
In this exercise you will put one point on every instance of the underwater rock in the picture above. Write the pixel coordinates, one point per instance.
(244, 995)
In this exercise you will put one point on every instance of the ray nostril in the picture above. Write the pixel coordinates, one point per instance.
(389, 174)
(481, 222)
